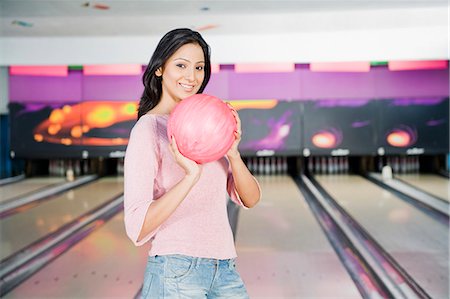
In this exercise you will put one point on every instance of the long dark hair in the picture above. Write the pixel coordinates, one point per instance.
(167, 46)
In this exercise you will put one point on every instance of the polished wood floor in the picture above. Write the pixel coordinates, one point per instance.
(282, 251)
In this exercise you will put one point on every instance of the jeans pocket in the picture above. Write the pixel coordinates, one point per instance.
(179, 266)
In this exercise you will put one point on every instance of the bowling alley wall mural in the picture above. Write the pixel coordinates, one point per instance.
(340, 127)
(414, 126)
(86, 129)
(270, 127)
(101, 128)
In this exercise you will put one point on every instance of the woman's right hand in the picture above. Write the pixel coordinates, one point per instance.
(191, 167)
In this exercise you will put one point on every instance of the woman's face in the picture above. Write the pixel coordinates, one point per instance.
(183, 72)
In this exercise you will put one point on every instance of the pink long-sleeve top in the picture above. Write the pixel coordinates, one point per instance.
(199, 226)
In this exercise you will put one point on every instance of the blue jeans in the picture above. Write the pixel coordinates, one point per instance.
(181, 276)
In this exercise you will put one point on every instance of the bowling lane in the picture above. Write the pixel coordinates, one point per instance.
(104, 265)
(22, 229)
(282, 251)
(416, 241)
(26, 186)
(433, 184)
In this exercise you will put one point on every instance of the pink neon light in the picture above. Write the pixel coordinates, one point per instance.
(417, 65)
(264, 67)
(112, 69)
(215, 68)
(339, 66)
(59, 70)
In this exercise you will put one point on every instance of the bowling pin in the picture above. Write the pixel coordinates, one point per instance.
(395, 167)
(77, 167)
(279, 165)
(310, 164)
(261, 166)
(324, 165)
(341, 165)
(267, 166)
(285, 165)
(330, 165)
(317, 165)
(70, 175)
(255, 165)
(402, 165)
(273, 166)
(85, 166)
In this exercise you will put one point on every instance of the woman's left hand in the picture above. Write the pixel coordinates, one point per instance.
(233, 151)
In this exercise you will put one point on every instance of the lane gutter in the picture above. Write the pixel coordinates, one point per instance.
(383, 276)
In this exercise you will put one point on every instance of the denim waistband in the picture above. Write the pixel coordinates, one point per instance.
(200, 260)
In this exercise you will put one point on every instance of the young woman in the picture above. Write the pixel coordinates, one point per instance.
(173, 203)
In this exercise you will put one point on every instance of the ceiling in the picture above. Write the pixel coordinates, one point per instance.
(34, 18)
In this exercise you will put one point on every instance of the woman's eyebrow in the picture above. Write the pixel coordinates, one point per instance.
(181, 58)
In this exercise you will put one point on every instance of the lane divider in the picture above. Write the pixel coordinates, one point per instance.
(433, 206)
(11, 180)
(18, 267)
(19, 204)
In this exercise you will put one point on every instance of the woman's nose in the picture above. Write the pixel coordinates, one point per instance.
(189, 74)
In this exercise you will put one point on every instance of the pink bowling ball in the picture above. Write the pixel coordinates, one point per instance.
(203, 127)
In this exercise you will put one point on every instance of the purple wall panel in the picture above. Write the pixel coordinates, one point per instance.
(218, 85)
(299, 85)
(334, 85)
(410, 83)
(112, 88)
(46, 89)
(264, 86)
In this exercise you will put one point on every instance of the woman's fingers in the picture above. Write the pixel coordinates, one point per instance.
(236, 116)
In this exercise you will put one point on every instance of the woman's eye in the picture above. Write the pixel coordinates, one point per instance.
(180, 65)
(200, 68)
